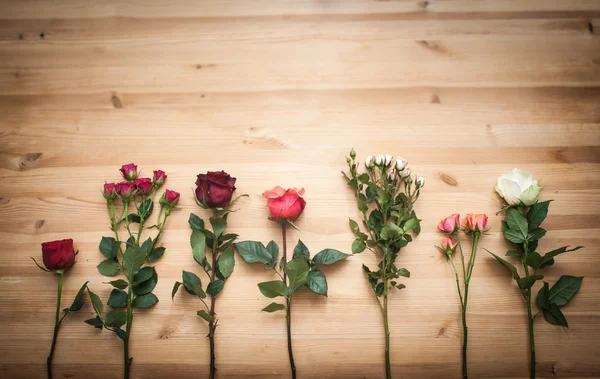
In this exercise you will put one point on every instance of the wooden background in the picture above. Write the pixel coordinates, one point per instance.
(276, 93)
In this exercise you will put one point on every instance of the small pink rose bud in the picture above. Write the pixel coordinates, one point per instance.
(144, 185)
(476, 222)
(391, 175)
(169, 198)
(129, 172)
(159, 178)
(450, 224)
(400, 163)
(126, 190)
(448, 245)
(405, 173)
(111, 191)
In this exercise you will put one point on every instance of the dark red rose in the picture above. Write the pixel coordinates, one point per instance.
(129, 172)
(126, 189)
(144, 185)
(159, 177)
(58, 255)
(285, 204)
(111, 190)
(215, 188)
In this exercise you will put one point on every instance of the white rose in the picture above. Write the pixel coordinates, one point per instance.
(388, 159)
(400, 163)
(369, 161)
(405, 173)
(379, 159)
(420, 181)
(518, 187)
(391, 175)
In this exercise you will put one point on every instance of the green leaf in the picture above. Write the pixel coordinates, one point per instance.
(301, 250)
(273, 249)
(122, 335)
(511, 268)
(252, 252)
(78, 301)
(146, 245)
(143, 275)
(218, 224)
(226, 262)
(408, 225)
(198, 243)
(358, 246)
(132, 217)
(119, 283)
(354, 226)
(147, 285)
(553, 315)
(133, 258)
(513, 236)
(297, 271)
(329, 256)
(273, 307)
(513, 253)
(528, 281)
(542, 297)
(190, 282)
(533, 259)
(548, 258)
(156, 253)
(379, 289)
(403, 272)
(273, 288)
(108, 267)
(175, 289)
(116, 319)
(96, 322)
(536, 234)
(96, 302)
(317, 283)
(215, 287)
(364, 178)
(196, 223)
(145, 301)
(109, 247)
(517, 222)
(205, 316)
(117, 298)
(145, 209)
(564, 289)
(362, 206)
(537, 214)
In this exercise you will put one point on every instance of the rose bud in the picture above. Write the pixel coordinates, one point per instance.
(448, 245)
(405, 172)
(379, 158)
(285, 204)
(450, 224)
(400, 163)
(352, 153)
(476, 222)
(169, 198)
(369, 162)
(420, 182)
(215, 188)
(144, 185)
(388, 160)
(159, 178)
(518, 187)
(129, 172)
(111, 191)
(126, 189)
(391, 175)
(58, 255)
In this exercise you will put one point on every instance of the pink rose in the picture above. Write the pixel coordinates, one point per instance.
(285, 204)
(449, 245)
(450, 224)
(111, 190)
(169, 198)
(129, 172)
(144, 185)
(126, 189)
(476, 222)
(159, 178)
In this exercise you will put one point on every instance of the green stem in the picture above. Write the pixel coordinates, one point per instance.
(126, 207)
(388, 368)
(56, 325)
(212, 325)
(161, 227)
(288, 310)
(463, 309)
(126, 359)
(529, 314)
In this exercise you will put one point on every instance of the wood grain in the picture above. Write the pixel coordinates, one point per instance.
(277, 92)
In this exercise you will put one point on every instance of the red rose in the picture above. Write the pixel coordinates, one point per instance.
(159, 177)
(285, 204)
(129, 171)
(126, 189)
(169, 198)
(215, 188)
(144, 185)
(111, 190)
(58, 255)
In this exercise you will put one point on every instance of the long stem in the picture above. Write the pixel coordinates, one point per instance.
(213, 299)
(56, 325)
(288, 310)
(126, 359)
(529, 315)
(388, 367)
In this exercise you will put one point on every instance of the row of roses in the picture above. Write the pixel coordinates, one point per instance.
(385, 196)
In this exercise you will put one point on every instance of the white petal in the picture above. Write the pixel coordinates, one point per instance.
(512, 192)
(529, 196)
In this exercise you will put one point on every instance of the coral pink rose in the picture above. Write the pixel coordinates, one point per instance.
(450, 224)
(476, 222)
(285, 204)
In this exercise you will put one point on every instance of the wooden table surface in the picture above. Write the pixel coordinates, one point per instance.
(276, 93)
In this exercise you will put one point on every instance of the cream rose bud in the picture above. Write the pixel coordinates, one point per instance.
(388, 159)
(420, 181)
(400, 163)
(379, 159)
(405, 172)
(518, 187)
(369, 161)
(391, 175)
